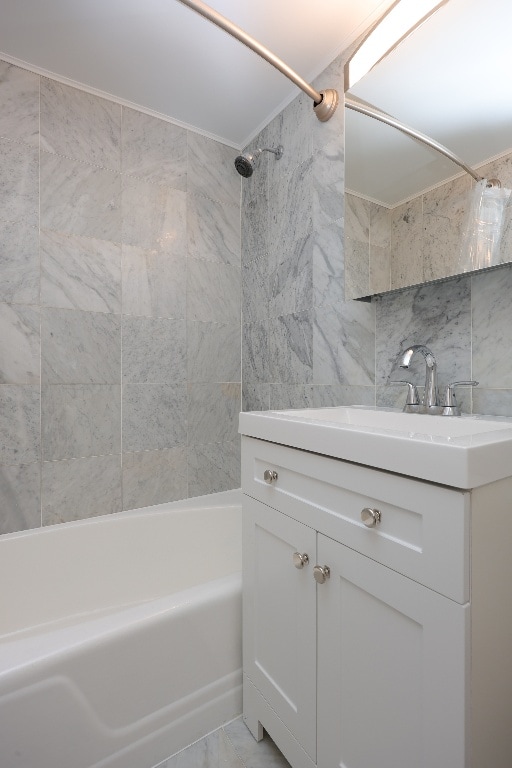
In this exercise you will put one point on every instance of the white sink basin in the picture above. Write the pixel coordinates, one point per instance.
(464, 452)
(413, 423)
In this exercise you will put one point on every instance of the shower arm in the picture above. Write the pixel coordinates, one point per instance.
(325, 102)
(369, 111)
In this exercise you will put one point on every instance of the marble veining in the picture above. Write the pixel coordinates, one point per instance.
(80, 272)
(213, 230)
(154, 150)
(497, 402)
(154, 350)
(406, 244)
(213, 292)
(255, 229)
(80, 488)
(80, 199)
(80, 125)
(213, 352)
(328, 178)
(19, 183)
(211, 171)
(19, 344)
(154, 217)
(291, 215)
(357, 261)
(20, 497)
(255, 397)
(328, 266)
(80, 420)
(154, 416)
(154, 282)
(213, 467)
(19, 116)
(154, 477)
(19, 263)
(291, 348)
(20, 416)
(343, 343)
(255, 353)
(444, 211)
(99, 215)
(492, 323)
(213, 412)
(255, 289)
(437, 315)
(80, 347)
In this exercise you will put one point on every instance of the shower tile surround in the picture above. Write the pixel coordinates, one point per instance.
(303, 344)
(392, 248)
(119, 307)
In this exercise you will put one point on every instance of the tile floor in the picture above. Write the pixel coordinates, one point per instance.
(229, 747)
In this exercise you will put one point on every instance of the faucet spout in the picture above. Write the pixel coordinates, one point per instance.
(430, 397)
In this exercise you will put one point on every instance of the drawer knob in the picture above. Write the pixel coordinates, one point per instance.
(370, 517)
(270, 476)
(300, 560)
(321, 573)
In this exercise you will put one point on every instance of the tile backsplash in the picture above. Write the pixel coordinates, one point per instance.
(304, 343)
(119, 307)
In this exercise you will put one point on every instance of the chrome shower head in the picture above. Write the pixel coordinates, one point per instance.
(245, 164)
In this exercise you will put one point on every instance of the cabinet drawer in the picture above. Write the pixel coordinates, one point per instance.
(423, 531)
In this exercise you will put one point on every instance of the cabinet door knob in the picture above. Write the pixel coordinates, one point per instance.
(270, 476)
(370, 517)
(321, 573)
(300, 560)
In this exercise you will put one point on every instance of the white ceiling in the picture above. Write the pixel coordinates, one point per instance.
(451, 79)
(162, 57)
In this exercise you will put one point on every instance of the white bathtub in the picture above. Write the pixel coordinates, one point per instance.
(120, 636)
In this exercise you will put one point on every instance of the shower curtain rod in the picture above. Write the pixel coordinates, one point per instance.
(365, 109)
(325, 102)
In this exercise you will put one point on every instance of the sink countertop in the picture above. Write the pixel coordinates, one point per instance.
(459, 451)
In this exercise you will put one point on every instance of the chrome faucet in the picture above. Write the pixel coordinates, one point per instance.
(430, 403)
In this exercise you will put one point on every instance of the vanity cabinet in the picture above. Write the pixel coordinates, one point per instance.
(378, 666)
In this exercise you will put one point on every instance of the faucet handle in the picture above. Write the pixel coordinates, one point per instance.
(450, 407)
(412, 402)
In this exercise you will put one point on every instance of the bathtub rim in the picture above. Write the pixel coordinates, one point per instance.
(232, 498)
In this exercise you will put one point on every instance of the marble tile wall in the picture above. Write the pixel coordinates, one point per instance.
(419, 240)
(304, 343)
(120, 283)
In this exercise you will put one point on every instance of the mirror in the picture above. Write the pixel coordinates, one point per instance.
(405, 204)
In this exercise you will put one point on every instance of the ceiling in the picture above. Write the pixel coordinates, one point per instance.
(162, 57)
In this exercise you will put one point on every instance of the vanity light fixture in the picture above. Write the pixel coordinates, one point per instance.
(398, 22)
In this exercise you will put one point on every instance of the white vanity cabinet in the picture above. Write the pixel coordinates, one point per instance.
(379, 666)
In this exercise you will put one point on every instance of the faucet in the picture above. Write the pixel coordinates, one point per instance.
(430, 402)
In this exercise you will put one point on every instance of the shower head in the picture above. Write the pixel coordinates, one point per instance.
(245, 164)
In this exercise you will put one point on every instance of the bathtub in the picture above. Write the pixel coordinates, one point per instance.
(120, 636)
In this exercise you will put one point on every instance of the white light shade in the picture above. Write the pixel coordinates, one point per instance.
(393, 27)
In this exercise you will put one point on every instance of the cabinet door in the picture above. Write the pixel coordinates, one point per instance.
(391, 668)
(280, 617)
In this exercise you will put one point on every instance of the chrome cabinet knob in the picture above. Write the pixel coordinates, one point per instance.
(300, 560)
(270, 476)
(370, 517)
(321, 573)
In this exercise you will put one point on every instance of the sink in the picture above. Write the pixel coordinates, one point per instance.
(388, 418)
(460, 451)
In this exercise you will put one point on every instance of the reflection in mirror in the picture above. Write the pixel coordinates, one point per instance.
(406, 206)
